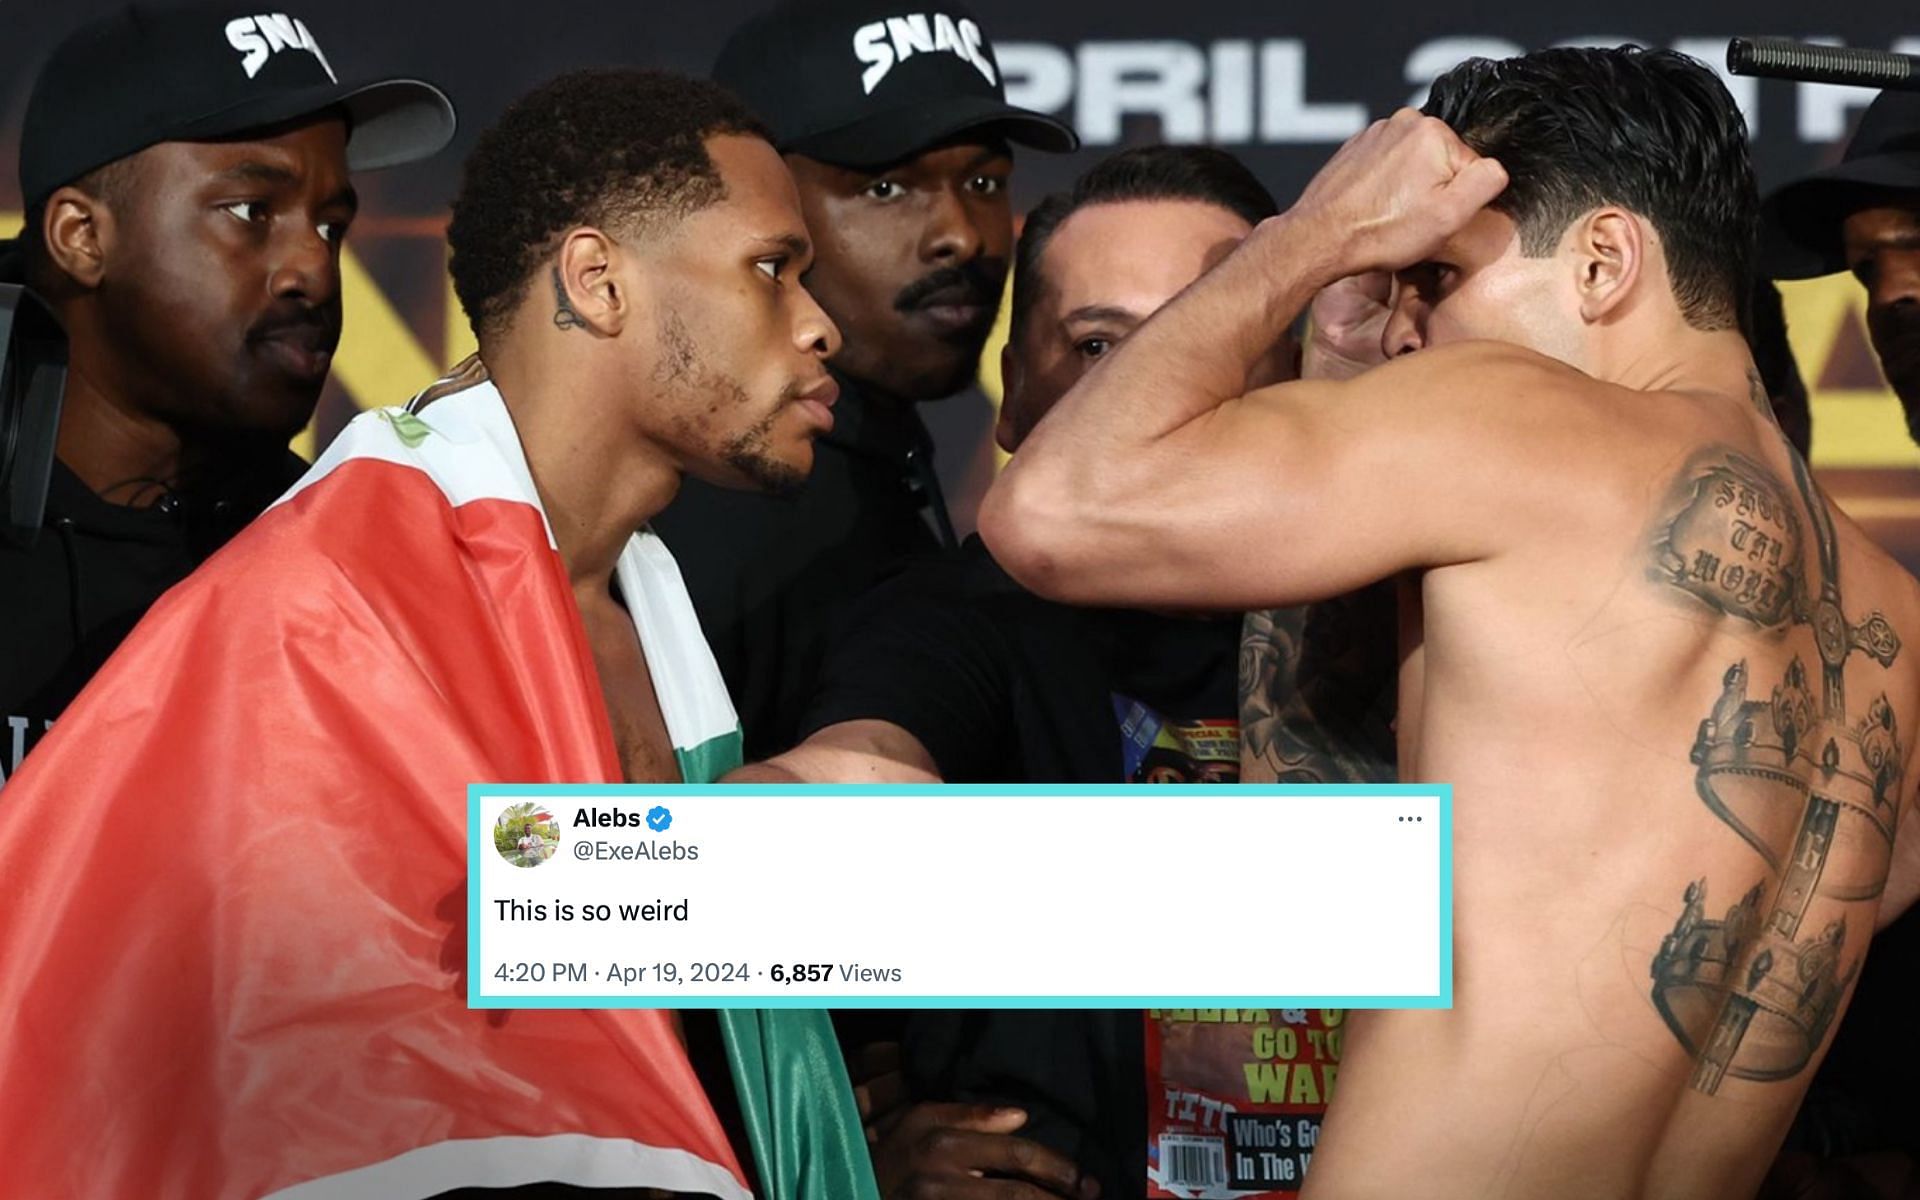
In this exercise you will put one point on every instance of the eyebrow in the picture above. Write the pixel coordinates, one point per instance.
(258, 172)
(792, 243)
(987, 155)
(271, 176)
(1100, 312)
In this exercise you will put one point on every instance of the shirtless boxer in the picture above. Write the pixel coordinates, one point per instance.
(1665, 678)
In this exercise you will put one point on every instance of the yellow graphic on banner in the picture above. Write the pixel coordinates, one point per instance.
(1852, 426)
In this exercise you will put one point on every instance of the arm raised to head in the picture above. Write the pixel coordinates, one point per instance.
(1161, 480)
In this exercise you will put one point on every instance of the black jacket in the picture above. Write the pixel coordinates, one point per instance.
(68, 600)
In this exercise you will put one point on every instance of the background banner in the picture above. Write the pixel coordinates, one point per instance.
(1278, 84)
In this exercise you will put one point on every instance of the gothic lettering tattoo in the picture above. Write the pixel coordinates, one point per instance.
(1814, 793)
(1735, 544)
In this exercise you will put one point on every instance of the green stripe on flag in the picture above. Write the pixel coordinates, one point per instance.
(800, 1115)
(711, 759)
(788, 1071)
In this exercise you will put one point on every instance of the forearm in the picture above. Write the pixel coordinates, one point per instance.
(850, 752)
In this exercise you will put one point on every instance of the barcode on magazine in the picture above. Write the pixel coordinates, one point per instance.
(1193, 1162)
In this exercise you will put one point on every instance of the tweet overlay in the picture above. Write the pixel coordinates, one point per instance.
(954, 896)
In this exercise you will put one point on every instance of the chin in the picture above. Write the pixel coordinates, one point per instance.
(263, 413)
(759, 472)
(944, 376)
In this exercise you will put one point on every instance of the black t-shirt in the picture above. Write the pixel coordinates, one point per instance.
(1002, 686)
(770, 576)
(68, 600)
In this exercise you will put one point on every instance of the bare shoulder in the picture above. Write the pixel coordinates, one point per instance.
(1485, 370)
(1525, 400)
(1507, 426)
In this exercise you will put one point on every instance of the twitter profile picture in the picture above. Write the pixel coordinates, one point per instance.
(526, 835)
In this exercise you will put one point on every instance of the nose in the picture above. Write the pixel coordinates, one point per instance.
(814, 332)
(306, 264)
(952, 234)
(1405, 330)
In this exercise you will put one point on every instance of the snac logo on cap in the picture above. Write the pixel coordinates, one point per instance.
(884, 43)
(260, 37)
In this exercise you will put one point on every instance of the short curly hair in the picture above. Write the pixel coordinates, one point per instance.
(611, 148)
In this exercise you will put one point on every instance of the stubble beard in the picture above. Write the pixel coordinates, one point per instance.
(683, 371)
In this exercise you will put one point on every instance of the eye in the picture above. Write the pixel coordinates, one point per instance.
(250, 211)
(334, 232)
(884, 189)
(1865, 271)
(771, 267)
(1428, 279)
(986, 185)
(1093, 347)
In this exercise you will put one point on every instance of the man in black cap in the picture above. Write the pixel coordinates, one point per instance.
(1863, 216)
(1856, 1128)
(896, 128)
(185, 173)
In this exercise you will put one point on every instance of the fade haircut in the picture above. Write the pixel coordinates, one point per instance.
(615, 149)
(1652, 131)
(1199, 173)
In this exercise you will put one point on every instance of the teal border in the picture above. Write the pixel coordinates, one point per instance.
(479, 792)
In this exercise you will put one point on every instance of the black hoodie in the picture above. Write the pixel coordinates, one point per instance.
(67, 601)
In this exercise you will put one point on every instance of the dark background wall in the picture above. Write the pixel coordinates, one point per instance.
(1280, 84)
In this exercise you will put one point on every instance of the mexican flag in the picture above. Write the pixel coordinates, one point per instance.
(232, 902)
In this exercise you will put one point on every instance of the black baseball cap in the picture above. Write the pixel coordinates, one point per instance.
(1800, 222)
(859, 83)
(150, 73)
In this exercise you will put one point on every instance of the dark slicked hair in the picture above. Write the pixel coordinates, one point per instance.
(616, 149)
(1652, 131)
(1199, 173)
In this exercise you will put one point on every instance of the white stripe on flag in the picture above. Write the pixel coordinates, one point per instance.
(499, 1162)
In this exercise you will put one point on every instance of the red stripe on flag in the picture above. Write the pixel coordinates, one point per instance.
(234, 936)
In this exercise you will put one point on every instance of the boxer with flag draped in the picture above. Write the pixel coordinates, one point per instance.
(234, 953)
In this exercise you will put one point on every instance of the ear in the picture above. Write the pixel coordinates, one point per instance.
(589, 289)
(79, 232)
(1004, 435)
(1610, 252)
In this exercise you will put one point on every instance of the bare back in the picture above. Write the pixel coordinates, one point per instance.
(1679, 727)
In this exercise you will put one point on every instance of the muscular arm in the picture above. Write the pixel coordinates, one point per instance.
(1159, 481)
(850, 752)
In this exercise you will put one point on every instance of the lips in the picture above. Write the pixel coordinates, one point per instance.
(956, 316)
(303, 351)
(817, 402)
(956, 308)
(825, 393)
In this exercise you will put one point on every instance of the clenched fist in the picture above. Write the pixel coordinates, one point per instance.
(1394, 193)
